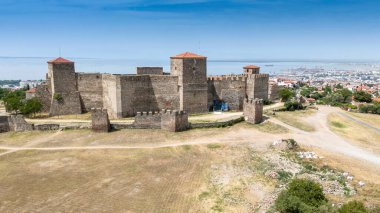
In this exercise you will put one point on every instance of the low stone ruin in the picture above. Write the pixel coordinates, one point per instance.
(173, 121)
(100, 121)
(253, 110)
(14, 123)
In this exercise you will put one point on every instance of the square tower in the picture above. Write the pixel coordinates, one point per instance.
(64, 90)
(191, 70)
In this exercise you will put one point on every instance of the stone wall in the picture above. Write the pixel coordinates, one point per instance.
(99, 120)
(46, 127)
(141, 93)
(147, 120)
(257, 86)
(273, 91)
(17, 123)
(174, 121)
(230, 89)
(90, 88)
(69, 104)
(43, 94)
(253, 110)
(149, 71)
(4, 124)
(112, 95)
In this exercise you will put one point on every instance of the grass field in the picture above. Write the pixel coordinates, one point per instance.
(356, 133)
(269, 127)
(162, 180)
(371, 119)
(296, 119)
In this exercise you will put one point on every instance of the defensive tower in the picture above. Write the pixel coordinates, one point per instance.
(64, 91)
(191, 70)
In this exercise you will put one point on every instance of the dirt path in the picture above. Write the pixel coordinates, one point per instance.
(325, 139)
(322, 138)
(359, 121)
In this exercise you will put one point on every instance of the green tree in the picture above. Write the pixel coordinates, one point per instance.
(13, 102)
(3, 93)
(301, 195)
(362, 96)
(32, 106)
(285, 94)
(353, 207)
(347, 94)
(293, 105)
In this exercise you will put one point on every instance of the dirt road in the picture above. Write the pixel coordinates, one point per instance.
(322, 138)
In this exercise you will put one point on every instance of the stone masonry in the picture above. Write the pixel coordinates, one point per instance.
(253, 110)
(169, 120)
(100, 121)
(4, 124)
(174, 121)
(186, 88)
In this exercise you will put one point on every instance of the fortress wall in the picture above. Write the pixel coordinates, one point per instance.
(147, 120)
(112, 95)
(90, 87)
(166, 91)
(150, 70)
(174, 121)
(43, 94)
(231, 89)
(257, 86)
(148, 93)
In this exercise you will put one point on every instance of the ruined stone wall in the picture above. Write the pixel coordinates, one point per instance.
(273, 92)
(99, 120)
(17, 123)
(150, 71)
(112, 95)
(253, 110)
(231, 89)
(141, 93)
(147, 120)
(43, 94)
(4, 125)
(192, 78)
(174, 121)
(257, 86)
(90, 87)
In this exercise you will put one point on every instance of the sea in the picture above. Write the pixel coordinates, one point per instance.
(12, 68)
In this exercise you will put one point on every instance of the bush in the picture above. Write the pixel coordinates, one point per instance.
(293, 105)
(32, 106)
(362, 96)
(285, 94)
(267, 102)
(301, 195)
(353, 207)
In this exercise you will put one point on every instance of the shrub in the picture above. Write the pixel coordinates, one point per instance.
(301, 195)
(353, 207)
(58, 97)
(267, 102)
(293, 105)
(362, 96)
(285, 94)
(32, 106)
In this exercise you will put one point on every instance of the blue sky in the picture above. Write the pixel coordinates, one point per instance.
(236, 29)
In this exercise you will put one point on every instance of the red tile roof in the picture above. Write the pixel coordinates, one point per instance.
(188, 55)
(33, 90)
(251, 67)
(60, 60)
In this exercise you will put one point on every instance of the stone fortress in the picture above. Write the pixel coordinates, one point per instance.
(186, 88)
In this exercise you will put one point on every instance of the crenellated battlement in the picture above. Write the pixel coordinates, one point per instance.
(173, 112)
(255, 76)
(150, 113)
(227, 78)
(253, 101)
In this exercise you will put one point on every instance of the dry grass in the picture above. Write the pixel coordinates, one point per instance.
(269, 127)
(371, 119)
(297, 119)
(355, 133)
(160, 180)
